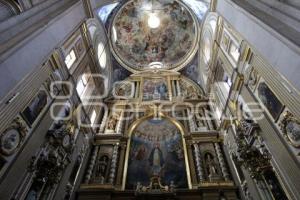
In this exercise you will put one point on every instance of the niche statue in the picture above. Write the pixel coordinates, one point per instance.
(101, 168)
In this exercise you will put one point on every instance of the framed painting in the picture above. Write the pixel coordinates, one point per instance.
(253, 78)
(269, 100)
(123, 90)
(155, 89)
(36, 107)
(156, 150)
(79, 47)
(290, 126)
(13, 136)
(51, 86)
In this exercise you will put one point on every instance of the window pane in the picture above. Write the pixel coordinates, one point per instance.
(101, 55)
(84, 79)
(70, 59)
(234, 52)
(80, 87)
(93, 117)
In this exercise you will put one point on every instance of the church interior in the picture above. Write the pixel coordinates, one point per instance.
(149, 99)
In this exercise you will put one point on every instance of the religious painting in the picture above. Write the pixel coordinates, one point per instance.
(161, 31)
(188, 90)
(79, 47)
(290, 127)
(156, 150)
(35, 107)
(155, 89)
(123, 90)
(112, 122)
(13, 137)
(269, 100)
(253, 78)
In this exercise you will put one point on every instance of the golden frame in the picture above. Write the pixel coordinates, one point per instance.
(183, 133)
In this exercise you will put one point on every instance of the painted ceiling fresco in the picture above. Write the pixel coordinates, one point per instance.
(153, 34)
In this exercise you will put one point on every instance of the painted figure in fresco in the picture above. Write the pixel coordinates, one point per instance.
(156, 159)
(270, 101)
(141, 152)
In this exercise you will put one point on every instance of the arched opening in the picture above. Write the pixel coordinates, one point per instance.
(156, 148)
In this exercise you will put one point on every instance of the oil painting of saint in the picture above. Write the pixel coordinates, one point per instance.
(156, 150)
(155, 89)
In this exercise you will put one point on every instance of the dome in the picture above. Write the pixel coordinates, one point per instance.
(160, 34)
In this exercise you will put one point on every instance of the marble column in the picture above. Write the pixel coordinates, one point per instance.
(222, 162)
(199, 165)
(91, 165)
(114, 162)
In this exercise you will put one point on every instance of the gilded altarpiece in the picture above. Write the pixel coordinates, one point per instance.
(148, 145)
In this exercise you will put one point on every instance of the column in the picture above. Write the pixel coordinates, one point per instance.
(191, 121)
(91, 165)
(222, 162)
(208, 120)
(178, 88)
(104, 119)
(121, 164)
(114, 161)
(199, 165)
(120, 124)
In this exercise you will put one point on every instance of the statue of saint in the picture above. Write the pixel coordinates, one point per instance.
(101, 168)
(112, 122)
(210, 165)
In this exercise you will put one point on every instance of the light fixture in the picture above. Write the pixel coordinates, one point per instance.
(153, 21)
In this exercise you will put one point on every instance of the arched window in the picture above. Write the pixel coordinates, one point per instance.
(199, 7)
(93, 117)
(105, 11)
(82, 84)
(8, 9)
(101, 55)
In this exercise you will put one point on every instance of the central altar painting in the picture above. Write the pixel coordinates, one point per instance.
(156, 150)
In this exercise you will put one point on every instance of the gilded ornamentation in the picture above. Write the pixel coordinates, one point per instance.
(155, 187)
(255, 160)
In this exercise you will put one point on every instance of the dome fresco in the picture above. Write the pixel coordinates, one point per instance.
(154, 34)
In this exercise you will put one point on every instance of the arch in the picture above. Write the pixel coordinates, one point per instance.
(170, 120)
(208, 35)
(98, 36)
(8, 9)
